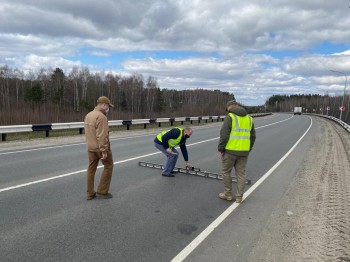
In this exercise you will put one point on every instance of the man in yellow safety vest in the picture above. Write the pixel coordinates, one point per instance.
(166, 142)
(237, 137)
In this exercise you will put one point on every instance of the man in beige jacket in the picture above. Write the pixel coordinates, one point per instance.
(98, 147)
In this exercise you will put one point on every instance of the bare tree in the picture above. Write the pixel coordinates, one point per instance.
(5, 76)
(85, 79)
(74, 79)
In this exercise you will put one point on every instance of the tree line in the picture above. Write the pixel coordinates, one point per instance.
(311, 103)
(52, 96)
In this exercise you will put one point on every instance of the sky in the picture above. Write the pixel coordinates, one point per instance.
(253, 49)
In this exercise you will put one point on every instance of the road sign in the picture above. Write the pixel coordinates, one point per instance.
(342, 108)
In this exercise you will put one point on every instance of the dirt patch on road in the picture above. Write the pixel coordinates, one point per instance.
(312, 221)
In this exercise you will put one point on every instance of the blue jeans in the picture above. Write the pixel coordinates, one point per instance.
(171, 159)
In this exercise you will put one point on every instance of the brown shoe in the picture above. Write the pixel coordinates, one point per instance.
(105, 196)
(239, 199)
(91, 197)
(227, 197)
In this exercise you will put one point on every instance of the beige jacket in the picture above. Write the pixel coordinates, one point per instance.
(97, 130)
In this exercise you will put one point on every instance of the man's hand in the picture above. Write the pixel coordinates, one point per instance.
(221, 154)
(187, 165)
(104, 155)
(169, 151)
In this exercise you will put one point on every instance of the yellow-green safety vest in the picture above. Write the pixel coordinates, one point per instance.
(240, 133)
(171, 142)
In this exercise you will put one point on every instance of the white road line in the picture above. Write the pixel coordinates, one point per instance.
(83, 143)
(84, 170)
(69, 174)
(52, 147)
(275, 123)
(40, 181)
(206, 232)
(37, 149)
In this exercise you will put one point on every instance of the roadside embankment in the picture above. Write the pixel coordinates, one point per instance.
(312, 221)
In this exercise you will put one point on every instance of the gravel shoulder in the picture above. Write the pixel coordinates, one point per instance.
(312, 221)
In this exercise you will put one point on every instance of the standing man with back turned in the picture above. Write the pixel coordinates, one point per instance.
(237, 137)
(99, 148)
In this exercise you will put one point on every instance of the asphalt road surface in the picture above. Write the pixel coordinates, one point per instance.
(45, 215)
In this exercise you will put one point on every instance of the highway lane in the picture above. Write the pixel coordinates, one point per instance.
(151, 218)
(235, 236)
(36, 163)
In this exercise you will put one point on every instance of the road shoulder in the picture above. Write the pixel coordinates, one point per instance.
(312, 221)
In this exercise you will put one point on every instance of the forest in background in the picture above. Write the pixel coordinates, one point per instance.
(51, 96)
(312, 103)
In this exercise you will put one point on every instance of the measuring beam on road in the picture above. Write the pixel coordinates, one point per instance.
(191, 171)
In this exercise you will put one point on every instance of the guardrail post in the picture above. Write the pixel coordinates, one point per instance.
(3, 137)
(43, 127)
(144, 126)
(159, 124)
(152, 121)
(80, 130)
(127, 123)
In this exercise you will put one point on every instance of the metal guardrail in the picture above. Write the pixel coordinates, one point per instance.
(337, 120)
(4, 130)
(16, 129)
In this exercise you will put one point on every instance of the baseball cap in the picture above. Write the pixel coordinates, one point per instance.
(231, 102)
(104, 99)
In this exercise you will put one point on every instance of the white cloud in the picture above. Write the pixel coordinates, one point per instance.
(32, 61)
(229, 38)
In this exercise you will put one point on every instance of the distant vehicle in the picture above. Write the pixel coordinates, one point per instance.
(297, 110)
